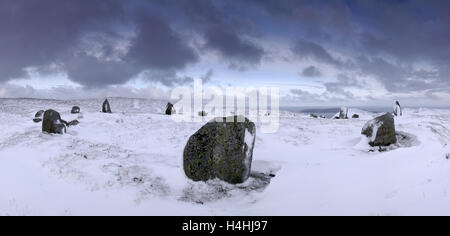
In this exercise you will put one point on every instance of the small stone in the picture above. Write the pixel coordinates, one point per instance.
(73, 123)
(75, 110)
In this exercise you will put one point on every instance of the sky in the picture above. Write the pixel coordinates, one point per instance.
(319, 53)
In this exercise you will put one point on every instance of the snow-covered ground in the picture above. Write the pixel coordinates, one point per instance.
(130, 163)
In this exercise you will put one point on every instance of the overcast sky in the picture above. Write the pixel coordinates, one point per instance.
(320, 53)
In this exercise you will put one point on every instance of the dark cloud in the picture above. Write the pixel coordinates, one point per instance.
(129, 37)
(230, 45)
(158, 46)
(37, 33)
(311, 72)
(402, 44)
(220, 31)
(305, 49)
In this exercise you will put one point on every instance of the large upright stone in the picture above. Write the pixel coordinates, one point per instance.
(52, 123)
(170, 109)
(221, 149)
(380, 131)
(106, 108)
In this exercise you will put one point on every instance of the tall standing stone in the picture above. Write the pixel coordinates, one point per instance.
(106, 108)
(398, 109)
(170, 109)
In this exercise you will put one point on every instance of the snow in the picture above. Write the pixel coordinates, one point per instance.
(376, 124)
(249, 140)
(130, 163)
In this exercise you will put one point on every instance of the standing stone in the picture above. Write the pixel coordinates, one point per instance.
(380, 131)
(38, 116)
(170, 110)
(343, 113)
(221, 149)
(52, 123)
(106, 108)
(75, 110)
(397, 109)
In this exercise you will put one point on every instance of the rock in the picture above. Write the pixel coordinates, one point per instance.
(355, 116)
(380, 131)
(106, 108)
(397, 109)
(322, 116)
(313, 116)
(343, 113)
(170, 110)
(52, 123)
(73, 123)
(38, 116)
(75, 110)
(202, 113)
(221, 150)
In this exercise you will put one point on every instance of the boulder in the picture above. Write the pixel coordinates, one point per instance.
(52, 123)
(170, 110)
(221, 149)
(343, 113)
(75, 110)
(106, 108)
(397, 109)
(355, 116)
(380, 131)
